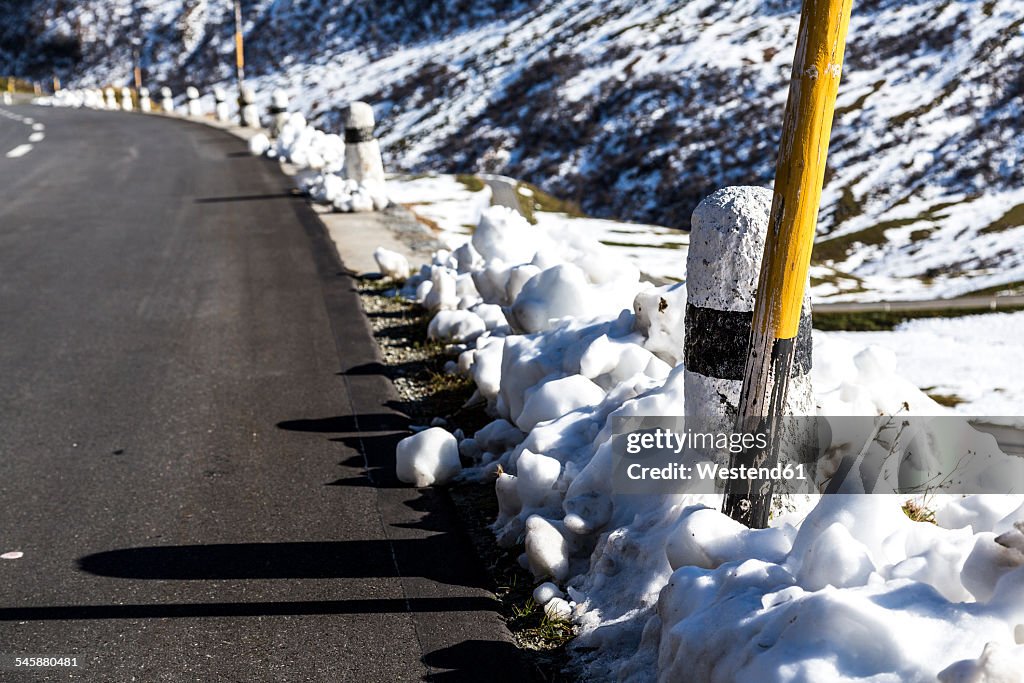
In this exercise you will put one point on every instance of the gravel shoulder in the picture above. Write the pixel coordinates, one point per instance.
(416, 367)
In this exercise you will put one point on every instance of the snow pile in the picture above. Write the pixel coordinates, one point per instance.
(307, 147)
(974, 360)
(345, 194)
(559, 339)
(259, 144)
(430, 457)
(391, 263)
(72, 98)
(320, 157)
(858, 590)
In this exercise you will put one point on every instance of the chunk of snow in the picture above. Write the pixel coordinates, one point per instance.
(544, 593)
(557, 609)
(259, 144)
(558, 397)
(457, 326)
(997, 664)
(536, 475)
(546, 549)
(504, 235)
(429, 457)
(391, 263)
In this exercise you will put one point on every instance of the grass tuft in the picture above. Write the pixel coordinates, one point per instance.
(471, 182)
(948, 400)
(919, 512)
(536, 630)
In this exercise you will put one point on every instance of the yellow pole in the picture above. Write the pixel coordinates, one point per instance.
(799, 174)
(800, 170)
(56, 85)
(239, 46)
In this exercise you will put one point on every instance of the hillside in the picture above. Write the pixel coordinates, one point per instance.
(633, 109)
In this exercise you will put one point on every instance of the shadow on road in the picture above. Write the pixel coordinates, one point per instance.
(373, 436)
(466, 661)
(424, 557)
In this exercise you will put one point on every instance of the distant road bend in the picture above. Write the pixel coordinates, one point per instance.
(196, 437)
(965, 303)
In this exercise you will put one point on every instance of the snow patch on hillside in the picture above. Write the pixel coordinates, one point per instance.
(638, 110)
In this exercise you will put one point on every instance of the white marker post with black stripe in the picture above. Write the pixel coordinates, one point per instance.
(727, 236)
(166, 100)
(220, 99)
(363, 162)
(278, 112)
(195, 107)
(250, 114)
(126, 99)
(145, 104)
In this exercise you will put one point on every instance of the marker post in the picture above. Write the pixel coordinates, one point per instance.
(799, 174)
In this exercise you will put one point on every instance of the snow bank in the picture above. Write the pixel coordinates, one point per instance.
(307, 147)
(860, 590)
(664, 587)
(320, 157)
(346, 195)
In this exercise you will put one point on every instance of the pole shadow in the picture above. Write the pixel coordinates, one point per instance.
(423, 557)
(472, 661)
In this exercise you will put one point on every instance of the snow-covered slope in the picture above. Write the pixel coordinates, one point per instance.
(635, 109)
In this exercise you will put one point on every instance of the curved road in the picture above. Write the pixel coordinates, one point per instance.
(195, 441)
(963, 303)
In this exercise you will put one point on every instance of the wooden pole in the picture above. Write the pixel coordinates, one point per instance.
(799, 174)
(240, 62)
(239, 47)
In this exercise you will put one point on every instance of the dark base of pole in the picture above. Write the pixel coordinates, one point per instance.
(749, 501)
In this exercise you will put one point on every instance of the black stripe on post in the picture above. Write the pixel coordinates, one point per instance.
(276, 110)
(716, 342)
(357, 135)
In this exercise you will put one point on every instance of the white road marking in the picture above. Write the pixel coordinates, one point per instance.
(13, 555)
(19, 151)
(36, 137)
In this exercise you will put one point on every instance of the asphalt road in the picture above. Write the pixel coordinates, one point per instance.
(195, 446)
